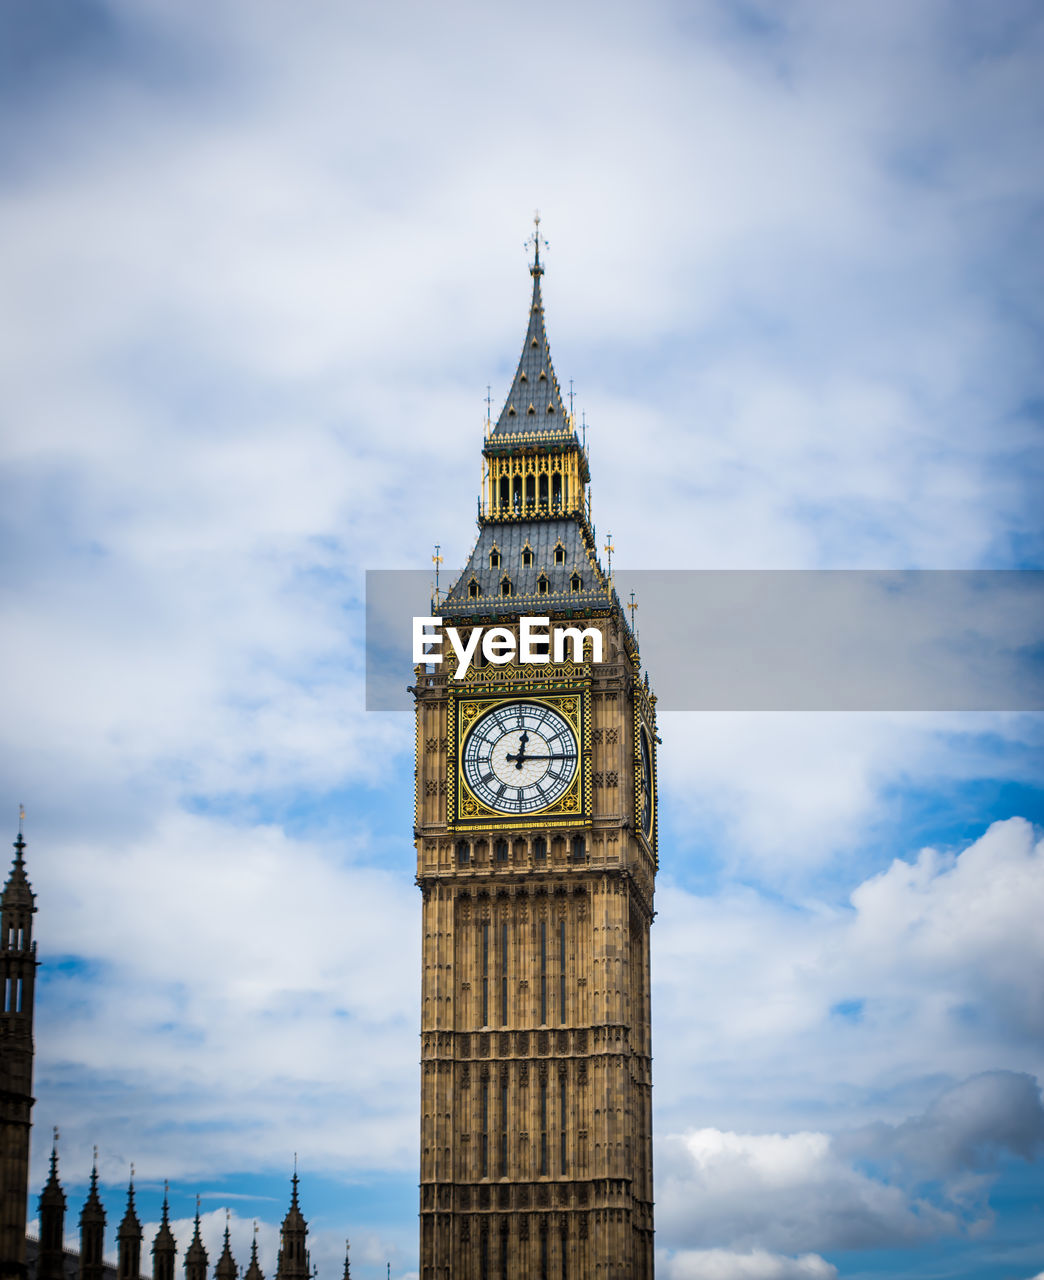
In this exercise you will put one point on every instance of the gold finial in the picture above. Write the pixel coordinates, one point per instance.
(21, 817)
(633, 606)
(609, 548)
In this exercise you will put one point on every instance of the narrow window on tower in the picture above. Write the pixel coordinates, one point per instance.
(543, 1127)
(543, 1252)
(543, 491)
(484, 1143)
(505, 585)
(579, 851)
(527, 555)
(505, 493)
(503, 973)
(473, 589)
(562, 1125)
(504, 1125)
(516, 493)
(556, 489)
(494, 559)
(503, 1250)
(463, 853)
(484, 1250)
(530, 490)
(565, 1249)
(542, 585)
(18, 997)
(540, 849)
(7, 995)
(559, 554)
(575, 582)
(543, 972)
(500, 851)
(485, 973)
(561, 971)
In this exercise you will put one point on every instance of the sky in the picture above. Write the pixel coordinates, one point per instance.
(259, 264)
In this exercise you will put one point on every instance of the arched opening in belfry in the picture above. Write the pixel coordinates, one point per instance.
(530, 490)
(505, 493)
(556, 489)
(543, 491)
(516, 493)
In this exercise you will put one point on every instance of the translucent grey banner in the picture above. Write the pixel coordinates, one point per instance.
(779, 640)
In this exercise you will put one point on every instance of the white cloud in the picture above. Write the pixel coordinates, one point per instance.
(925, 972)
(724, 1264)
(787, 1192)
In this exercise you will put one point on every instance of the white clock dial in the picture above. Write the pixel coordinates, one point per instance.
(520, 757)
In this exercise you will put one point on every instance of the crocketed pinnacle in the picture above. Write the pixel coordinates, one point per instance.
(17, 890)
(196, 1254)
(93, 1210)
(164, 1241)
(226, 1264)
(254, 1272)
(534, 406)
(52, 1193)
(130, 1218)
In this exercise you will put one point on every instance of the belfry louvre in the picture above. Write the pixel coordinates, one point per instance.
(536, 841)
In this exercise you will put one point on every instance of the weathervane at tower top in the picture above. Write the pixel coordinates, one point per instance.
(536, 240)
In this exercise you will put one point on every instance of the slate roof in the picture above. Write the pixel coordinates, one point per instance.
(510, 538)
(534, 408)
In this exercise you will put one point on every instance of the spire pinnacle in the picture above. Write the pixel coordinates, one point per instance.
(536, 240)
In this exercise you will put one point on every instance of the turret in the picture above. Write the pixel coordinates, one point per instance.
(128, 1240)
(92, 1230)
(195, 1254)
(49, 1263)
(17, 979)
(293, 1256)
(164, 1246)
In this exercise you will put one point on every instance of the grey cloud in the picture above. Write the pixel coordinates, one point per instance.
(968, 1128)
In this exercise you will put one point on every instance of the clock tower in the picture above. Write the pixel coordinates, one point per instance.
(536, 857)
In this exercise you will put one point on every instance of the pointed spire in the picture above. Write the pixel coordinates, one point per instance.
(92, 1230)
(226, 1264)
(130, 1217)
(53, 1188)
(128, 1239)
(534, 409)
(196, 1254)
(92, 1206)
(18, 891)
(293, 1256)
(254, 1272)
(52, 1223)
(164, 1245)
(347, 1260)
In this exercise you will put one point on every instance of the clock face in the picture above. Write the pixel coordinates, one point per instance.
(520, 757)
(645, 785)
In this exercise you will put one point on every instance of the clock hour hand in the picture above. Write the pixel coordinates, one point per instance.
(521, 749)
